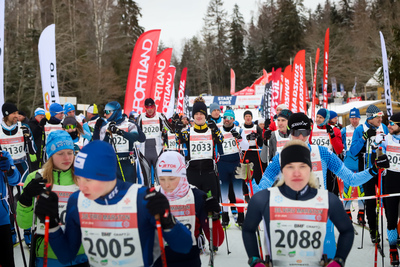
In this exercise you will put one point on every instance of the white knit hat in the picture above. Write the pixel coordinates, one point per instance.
(171, 163)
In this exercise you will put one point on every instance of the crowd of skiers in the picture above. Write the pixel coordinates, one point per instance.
(147, 190)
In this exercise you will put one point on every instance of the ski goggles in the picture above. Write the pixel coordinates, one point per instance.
(378, 114)
(393, 123)
(70, 127)
(298, 132)
(108, 111)
(228, 118)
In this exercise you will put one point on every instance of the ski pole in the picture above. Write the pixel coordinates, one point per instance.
(11, 196)
(46, 232)
(32, 256)
(379, 153)
(160, 240)
(248, 172)
(210, 224)
(115, 149)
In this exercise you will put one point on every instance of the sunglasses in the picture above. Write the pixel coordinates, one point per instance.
(228, 118)
(70, 127)
(107, 111)
(303, 132)
(149, 106)
(393, 123)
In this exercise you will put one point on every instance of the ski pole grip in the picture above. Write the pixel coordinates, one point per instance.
(379, 152)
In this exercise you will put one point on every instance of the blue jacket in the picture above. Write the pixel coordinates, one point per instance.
(178, 238)
(358, 143)
(328, 160)
(14, 178)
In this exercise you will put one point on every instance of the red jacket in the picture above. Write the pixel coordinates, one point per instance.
(336, 141)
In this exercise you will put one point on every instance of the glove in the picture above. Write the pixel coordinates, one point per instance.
(329, 130)
(47, 205)
(212, 125)
(179, 125)
(252, 136)
(267, 136)
(379, 139)
(267, 123)
(112, 127)
(35, 187)
(120, 132)
(158, 204)
(99, 123)
(5, 164)
(236, 134)
(43, 122)
(176, 117)
(369, 133)
(25, 131)
(211, 205)
(241, 171)
(382, 162)
(256, 262)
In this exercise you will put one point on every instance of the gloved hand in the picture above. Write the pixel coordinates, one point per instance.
(33, 189)
(369, 133)
(158, 205)
(267, 123)
(179, 125)
(112, 127)
(25, 131)
(99, 123)
(47, 205)
(236, 134)
(120, 132)
(176, 117)
(43, 122)
(5, 164)
(211, 205)
(329, 130)
(267, 136)
(212, 125)
(252, 136)
(382, 162)
(242, 170)
(379, 138)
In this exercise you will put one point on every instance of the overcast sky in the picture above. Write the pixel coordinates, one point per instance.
(180, 19)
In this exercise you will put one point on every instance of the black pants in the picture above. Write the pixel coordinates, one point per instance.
(204, 180)
(6, 247)
(391, 185)
(370, 204)
(258, 169)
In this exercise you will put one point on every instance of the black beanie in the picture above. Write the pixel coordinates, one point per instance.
(299, 121)
(247, 112)
(295, 153)
(8, 108)
(199, 107)
(396, 118)
(149, 102)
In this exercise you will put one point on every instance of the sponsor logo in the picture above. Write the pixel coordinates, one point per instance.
(106, 234)
(279, 253)
(292, 253)
(298, 225)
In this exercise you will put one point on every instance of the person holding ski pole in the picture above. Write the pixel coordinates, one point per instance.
(58, 172)
(391, 185)
(295, 213)
(122, 134)
(11, 176)
(113, 220)
(189, 205)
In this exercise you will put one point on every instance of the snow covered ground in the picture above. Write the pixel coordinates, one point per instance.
(237, 257)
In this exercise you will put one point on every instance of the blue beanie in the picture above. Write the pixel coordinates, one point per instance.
(68, 107)
(354, 113)
(55, 108)
(214, 106)
(332, 114)
(96, 161)
(58, 140)
(40, 111)
(324, 113)
(229, 113)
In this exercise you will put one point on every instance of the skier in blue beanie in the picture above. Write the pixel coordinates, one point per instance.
(112, 213)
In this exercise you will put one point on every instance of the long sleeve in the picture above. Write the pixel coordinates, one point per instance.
(269, 176)
(357, 142)
(337, 142)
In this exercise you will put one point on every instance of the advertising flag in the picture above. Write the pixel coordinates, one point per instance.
(47, 62)
(168, 95)
(314, 96)
(159, 78)
(141, 70)
(298, 98)
(233, 81)
(326, 61)
(181, 92)
(388, 97)
(276, 86)
(287, 85)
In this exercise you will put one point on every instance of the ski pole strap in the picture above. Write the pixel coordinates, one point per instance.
(160, 240)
